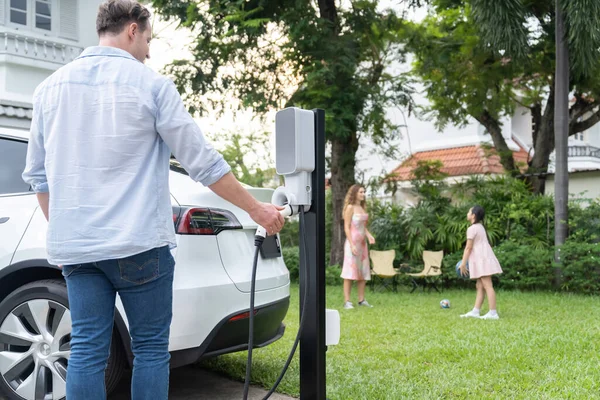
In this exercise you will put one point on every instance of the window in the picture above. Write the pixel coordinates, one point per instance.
(12, 164)
(18, 12)
(580, 135)
(32, 13)
(43, 17)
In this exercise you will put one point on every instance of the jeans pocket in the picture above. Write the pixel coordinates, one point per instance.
(67, 270)
(140, 268)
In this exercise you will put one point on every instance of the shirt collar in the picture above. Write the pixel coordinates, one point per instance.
(105, 51)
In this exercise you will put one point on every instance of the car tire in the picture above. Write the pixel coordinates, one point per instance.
(20, 333)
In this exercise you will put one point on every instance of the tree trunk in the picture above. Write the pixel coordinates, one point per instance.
(561, 134)
(494, 129)
(343, 161)
(543, 145)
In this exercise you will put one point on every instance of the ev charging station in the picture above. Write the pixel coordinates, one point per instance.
(300, 159)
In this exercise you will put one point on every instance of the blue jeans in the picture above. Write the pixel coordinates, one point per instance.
(145, 284)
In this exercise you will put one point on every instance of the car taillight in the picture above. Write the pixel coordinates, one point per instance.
(203, 221)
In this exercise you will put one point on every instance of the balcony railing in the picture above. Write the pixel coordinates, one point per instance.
(584, 151)
(37, 49)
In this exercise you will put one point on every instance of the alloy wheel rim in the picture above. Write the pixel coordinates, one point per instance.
(35, 346)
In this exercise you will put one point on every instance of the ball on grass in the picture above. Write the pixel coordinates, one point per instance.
(445, 303)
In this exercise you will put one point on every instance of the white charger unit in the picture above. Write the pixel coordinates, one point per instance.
(295, 153)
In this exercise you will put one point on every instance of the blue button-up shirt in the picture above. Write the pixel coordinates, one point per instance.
(102, 133)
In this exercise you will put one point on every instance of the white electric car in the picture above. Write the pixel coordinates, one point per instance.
(214, 254)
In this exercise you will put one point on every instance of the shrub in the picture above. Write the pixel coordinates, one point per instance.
(531, 268)
(289, 234)
(388, 227)
(584, 223)
(332, 275)
(519, 224)
(525, 267)
(580, 267)
(292, 261)
(291, 256)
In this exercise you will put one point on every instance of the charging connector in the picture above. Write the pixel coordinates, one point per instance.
(261, 233)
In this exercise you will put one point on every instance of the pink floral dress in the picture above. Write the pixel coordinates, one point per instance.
(360, 261)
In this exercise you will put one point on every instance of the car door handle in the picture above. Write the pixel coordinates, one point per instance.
(4, 219)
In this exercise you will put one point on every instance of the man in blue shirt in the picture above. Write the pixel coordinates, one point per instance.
(103, 130)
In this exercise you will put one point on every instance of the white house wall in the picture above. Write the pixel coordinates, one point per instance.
(87, 23)
(582, 185)
(21, 82)
(28, 56)
(522, 126)
(592, 136)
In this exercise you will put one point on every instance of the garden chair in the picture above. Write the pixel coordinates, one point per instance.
(431, 271)
(382, 263)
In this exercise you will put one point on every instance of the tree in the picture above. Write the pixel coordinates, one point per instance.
(242, 151)
(561, 131)
(574, 45)
(334, 57)
(481, 58)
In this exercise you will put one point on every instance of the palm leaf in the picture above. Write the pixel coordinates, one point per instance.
(582, 19)
(502, 25)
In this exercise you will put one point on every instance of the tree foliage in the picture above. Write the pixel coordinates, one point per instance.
(266, 54)
(248, 158)
(479, 59)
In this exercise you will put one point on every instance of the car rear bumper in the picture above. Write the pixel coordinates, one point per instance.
(232, 336)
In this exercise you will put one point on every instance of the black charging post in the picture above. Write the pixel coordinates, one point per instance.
(312, 342)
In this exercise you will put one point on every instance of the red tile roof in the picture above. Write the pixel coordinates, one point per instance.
(460, 161)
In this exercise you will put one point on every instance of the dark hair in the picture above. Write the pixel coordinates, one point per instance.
(478, 212)
(113, 15)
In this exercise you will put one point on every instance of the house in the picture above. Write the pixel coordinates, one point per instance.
(458, 164)
(470, 153)
(36, 38)
(584, 167)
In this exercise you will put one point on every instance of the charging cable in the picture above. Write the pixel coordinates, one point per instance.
(258, 240)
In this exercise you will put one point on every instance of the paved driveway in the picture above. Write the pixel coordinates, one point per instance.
(193, 383)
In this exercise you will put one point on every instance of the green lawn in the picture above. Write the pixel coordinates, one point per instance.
(546, 346)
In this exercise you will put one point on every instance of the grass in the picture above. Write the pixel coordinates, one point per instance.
(546, 346)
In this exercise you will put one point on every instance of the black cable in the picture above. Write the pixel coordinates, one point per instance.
(302, 311)
(257, 242)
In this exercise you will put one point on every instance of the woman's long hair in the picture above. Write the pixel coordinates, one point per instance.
(351, 198)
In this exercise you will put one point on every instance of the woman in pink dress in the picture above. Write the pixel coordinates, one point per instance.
(482, 263)
(356, 252)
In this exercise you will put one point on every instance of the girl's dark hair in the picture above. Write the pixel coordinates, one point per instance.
(478, 212)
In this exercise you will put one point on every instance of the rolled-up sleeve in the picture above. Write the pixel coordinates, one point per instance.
(185, 139)
(35, 170)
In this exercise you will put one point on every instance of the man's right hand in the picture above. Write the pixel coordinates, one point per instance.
(264, 214)
(268, 216)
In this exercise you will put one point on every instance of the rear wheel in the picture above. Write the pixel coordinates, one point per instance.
(35, 343)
